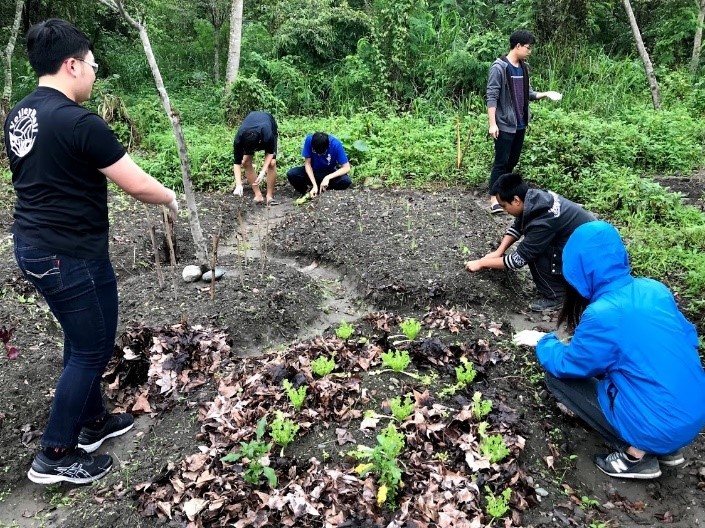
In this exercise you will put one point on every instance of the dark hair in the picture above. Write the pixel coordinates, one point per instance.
(521, 36)
(573, 307)
(250, 140)
(51, 42)
(510, 185)
(320, 142)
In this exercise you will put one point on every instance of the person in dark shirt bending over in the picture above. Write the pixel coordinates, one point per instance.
(545, 220)
(258, 131)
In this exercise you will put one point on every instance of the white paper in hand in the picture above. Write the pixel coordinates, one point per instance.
(554, 96)
(528, 337)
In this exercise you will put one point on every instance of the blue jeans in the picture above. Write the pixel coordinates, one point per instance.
(299, 179)
(82, 295)
(507, 149)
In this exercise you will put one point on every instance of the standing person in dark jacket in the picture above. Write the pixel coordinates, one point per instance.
(545, 220)
(258, 131)
(508, 96)
(631, 369)
(60, 156)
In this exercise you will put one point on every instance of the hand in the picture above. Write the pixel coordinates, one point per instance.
(324, 184)
(238, 190)
(554, 96)
(260, 176)
(494, 254)
(314, 191)
(528, 337)
(493, 131)
(473, 265)
(173, 207)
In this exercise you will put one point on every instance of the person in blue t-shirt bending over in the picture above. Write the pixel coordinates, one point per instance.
(325, 165)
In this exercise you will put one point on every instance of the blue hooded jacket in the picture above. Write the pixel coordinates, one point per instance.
(633, 338)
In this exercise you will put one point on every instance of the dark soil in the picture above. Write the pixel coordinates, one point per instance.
(401, 251)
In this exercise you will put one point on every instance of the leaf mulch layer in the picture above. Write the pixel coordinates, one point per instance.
(445, 474)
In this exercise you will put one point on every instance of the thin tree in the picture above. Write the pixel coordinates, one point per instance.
(217, 12)
(698, 40)
(7, 62)
(650, 75)
(174, 118)
(234, 46)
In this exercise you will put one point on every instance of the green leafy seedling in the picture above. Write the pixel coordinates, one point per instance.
(480, 407)
(493, 448)
(296, 396)
(283, 431)
(396, 360)
(465, 373)
(497, 505)
(383, 461)
(344, 331)
(322, 366)
(401, 410)
(411, 328)
(252, 453)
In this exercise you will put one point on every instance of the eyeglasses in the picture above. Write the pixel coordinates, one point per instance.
(527, 46)
(91, 64)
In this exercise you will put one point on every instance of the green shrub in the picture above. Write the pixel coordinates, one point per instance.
(248, 94)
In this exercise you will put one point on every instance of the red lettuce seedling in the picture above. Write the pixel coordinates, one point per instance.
(5, 335)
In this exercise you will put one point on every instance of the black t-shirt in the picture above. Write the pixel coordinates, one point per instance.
(266, 128)
(55, 148)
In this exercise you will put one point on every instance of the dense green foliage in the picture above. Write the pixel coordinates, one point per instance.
(392, 79)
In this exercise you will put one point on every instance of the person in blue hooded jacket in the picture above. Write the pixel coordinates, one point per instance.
(631, 369)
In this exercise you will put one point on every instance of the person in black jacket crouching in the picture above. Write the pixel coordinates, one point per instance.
(545, 220)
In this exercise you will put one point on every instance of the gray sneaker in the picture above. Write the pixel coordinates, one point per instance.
(544, 304)
(114, 425)
(672, 459)
(618, 464)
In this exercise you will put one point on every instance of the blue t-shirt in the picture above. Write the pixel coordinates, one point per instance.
(333, 158)
(517, 75)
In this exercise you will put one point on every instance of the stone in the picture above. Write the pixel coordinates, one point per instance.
(219, 272)
(191, 273)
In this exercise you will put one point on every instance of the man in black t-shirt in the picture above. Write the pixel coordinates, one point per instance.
(258, 131)
(60, 155)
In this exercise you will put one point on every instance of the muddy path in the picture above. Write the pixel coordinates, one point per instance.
(295, 273)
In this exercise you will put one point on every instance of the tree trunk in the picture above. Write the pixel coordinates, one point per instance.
(216, 52)
(698, 40)
(7, 62)
(650, 75)
(196, 231)
(234, 46)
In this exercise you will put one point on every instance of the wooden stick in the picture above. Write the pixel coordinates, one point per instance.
(169, 233)
(214, 262)
(153, 238)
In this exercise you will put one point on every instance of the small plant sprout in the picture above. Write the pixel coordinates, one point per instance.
(497, 505)
(480, 407)
(254, 454)
(586, 503)
(344, 331)
(493, 448)
(397, 360)
(296, 396)
(283, 431)
(382, 460)
(411, 328)
(401, 410)
(322, 366)
(465, 373)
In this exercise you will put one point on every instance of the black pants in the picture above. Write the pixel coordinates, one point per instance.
(547, 275)
(580, 396)
(299, 179)
(507, 149)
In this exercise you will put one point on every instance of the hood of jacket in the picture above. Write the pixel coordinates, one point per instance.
(538, 202)
(595, 260)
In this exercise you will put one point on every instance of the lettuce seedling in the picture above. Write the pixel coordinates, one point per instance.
(296, 396)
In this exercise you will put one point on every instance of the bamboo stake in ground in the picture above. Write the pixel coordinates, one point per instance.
(169, 233)
(214, 262)
(461, 157)
(153, 238)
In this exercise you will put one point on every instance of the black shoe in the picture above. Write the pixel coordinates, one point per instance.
(543, 304)
(76, 467)
(618, 464)
(672, 459)
(115, 424)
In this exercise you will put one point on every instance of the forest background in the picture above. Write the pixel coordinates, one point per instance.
(402, 82)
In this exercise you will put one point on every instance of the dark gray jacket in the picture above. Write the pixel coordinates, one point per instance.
(499, 95)
(547, 223)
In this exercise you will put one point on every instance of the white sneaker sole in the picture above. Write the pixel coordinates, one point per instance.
(638, 476)
(89, 448)
(42, 478)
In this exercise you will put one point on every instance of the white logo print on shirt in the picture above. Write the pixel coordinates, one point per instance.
(23, 131)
